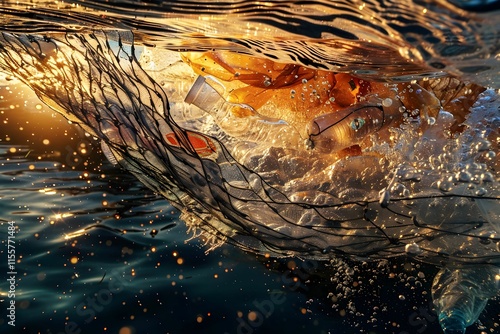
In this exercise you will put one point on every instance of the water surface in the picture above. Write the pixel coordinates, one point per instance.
(99, 252)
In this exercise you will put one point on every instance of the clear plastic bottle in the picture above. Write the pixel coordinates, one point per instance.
(461, 294)
(240, 120)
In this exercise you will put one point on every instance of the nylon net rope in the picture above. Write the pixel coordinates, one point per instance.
(437, 201)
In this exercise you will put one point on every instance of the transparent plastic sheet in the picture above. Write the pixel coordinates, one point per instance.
(429, 197)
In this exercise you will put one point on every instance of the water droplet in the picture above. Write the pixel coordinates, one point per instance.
(483, 145)
(487, 177)
(490, 155)
(445, 185)
(413, 248)
(411, 176)
(385, 198)
(463, 176)
(400, 190)
(480, 191)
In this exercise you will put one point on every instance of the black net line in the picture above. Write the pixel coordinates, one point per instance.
(97, 82)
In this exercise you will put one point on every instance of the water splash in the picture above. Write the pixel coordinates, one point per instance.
(426, 186)
(392, 39)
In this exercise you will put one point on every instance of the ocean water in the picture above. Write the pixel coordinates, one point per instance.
(89, 259)
(88, 256)
(99, 252)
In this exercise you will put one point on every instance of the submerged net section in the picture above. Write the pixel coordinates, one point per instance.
(424, 195)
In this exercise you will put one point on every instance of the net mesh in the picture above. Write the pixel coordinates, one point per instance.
(436, 200)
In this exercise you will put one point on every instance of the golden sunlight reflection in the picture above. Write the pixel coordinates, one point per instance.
(74, 234)
(59, 216)
(48, 191)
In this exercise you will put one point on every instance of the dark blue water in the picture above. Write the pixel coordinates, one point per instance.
(97, 252)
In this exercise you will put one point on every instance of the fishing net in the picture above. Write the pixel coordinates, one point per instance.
(421, 193)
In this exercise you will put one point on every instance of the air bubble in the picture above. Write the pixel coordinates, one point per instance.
(349, 271)
(431, 121)
(387, 102)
